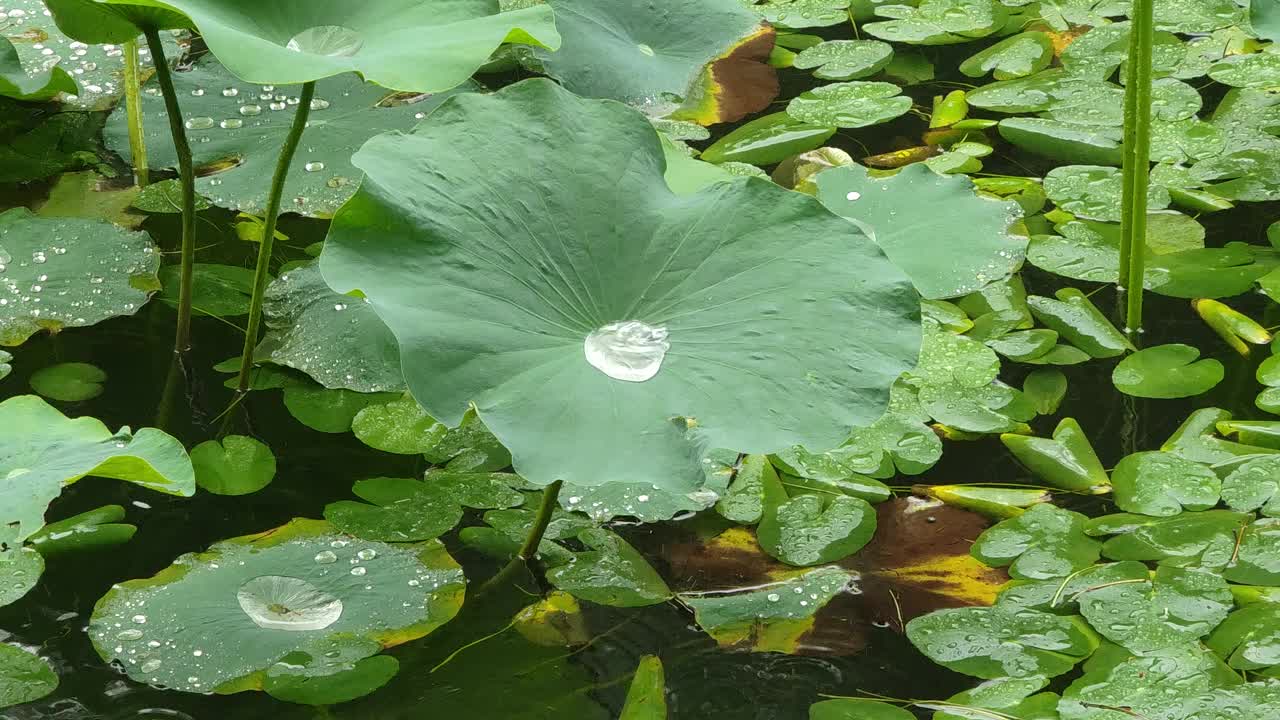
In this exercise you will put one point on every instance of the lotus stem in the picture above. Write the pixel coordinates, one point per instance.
(1137, 162)
(262, 273)
(529, 550)
(187, 178)
(133, 104)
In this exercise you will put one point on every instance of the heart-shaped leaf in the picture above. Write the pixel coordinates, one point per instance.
(938, 22)
(1145, 612)
(1163, 484)
(1167, 371)
(1066, 461)
(849, 104)
(812, 528)
(992, 642)
(844, 59)
(1257, 558)
(960, 245)
(1015, 56)
(235, 465)
(620, 312)
(405, 510)
(1249, 639)
(1254, 485)
(610, 573)
(69, 382)
(219, 620)
(1043, 542)
(1189, 539)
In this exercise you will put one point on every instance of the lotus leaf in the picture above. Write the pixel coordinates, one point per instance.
(69, 272)
(849, 104)
(219, 620)
(20, 570)
(955, 241)
(1043, 542)
(992, 642)
(42, 451)
(645, 502)
(571, 290)
(24, 676)
(15, 82)
(653, 56)
(236, 131)
(1144, 612)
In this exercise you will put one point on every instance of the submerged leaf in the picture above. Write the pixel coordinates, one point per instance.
(621, 313)
(646, 698)
(69, 382)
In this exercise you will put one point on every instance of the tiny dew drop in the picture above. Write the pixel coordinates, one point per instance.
(313, 166)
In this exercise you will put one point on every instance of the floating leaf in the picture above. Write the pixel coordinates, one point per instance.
(16, 82)
(610, 573)
(1163, 484)
(1063, 141)
(992, 642)
(91, 530)
(1189, 539)
(1093, 191)
(651, 57)
(42, 451)
(237, 129)
(302, 678)
(961, 245)
(812, 528)
(849, 104)
(1007, 696)
(404, 510)
(768, 140)
(1254, 485)
(20, 570)
(1257, 557)
(23, 676)
(1167, 371)
(857, 709)
(1043, 542)
(1066, 461)
(591, 286)
(227, 615)
(1000, 503)
(646, 698)
(1015, 56)
(938, 22)
(235, 465)
(1248, 639)
(1144, 612)
(69, 272)
(1046, 388)
(844, 59)
(217, 290)
(399, 426)
(5, 367)
(1080, 322)
(69, 382)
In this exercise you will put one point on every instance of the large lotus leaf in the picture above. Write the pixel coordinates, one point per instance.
(948, 239)
(938, 22)
(991, 642)
(1044, 542)
(472, 241)
(1264, 16)
(16, 82)
(24, 676)
(652, 55)
(1145, 612)
(218, 620)
(1180, 683)
(69, 272)
(236, 130)
(404, 45)
(20, 570)
(335, 339)
(41, 451)
(1163, 484)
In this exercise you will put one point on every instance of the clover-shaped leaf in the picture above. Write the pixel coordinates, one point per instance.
(400, 44)
(849, 104)
(1161, 483)
(41, 451)
(221, 619)
(998, 641)
(69, 272)
(600, 327)
(960, 245)
(1043, 542)
(1145, 612)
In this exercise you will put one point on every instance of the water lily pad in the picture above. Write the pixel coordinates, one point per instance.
(962, 243)
(844, 59)
(1065, 142)
(1144, 612)
(237, 128)
(992, 642)
(1015, 56)
(1163, 484)
(1254, 485)
(5, 367)
(1067, 460)
(768, 140)
(808, 528)
(763, 615)
(1080, 322)
(408, 510)
(1189, 539)
(335, 339)
(1167, 371)
(646, 698)
(219, 620)
(801, 13)
(217, 290)
(399, 44)
(23, 676)
(69, 272)
(1093, 191)
(1009, 696)
(857, 709)
(20, 570)
(652, 56)
(398, 426)
(610, 573)
(849, 104)
(43, 451)
(1257, 560)
(1249, 639)
(235, 465)
(938, 22)
(620, 313)
(1043, 542)
(69, 382)
(16, 82)
(648, 502)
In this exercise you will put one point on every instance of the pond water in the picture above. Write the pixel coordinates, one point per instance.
(479, 665)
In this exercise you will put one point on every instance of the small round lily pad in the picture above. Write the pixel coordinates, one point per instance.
(69, 382)
(850, 104)
(1167, 371)
(220, 620)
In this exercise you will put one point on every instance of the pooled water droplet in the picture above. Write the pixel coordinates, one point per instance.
(773, 597)
(231, 124)
(130, 634)
(319, 104)
(367, 554)
(230, 92)
(325, 557)
(358, 571)
(197, 92)
(329, 40)
(279, 602)
(250, 110)
(313, 166)
(630, 350)
(853, 195)
(645, 49)
(140, 619)
(150, 666)
(337, 181)
(199, 123)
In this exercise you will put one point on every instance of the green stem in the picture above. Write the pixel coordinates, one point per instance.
(269, 234)
(529, 549)
(187, 177)
(1137, 162)
(133, 102)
